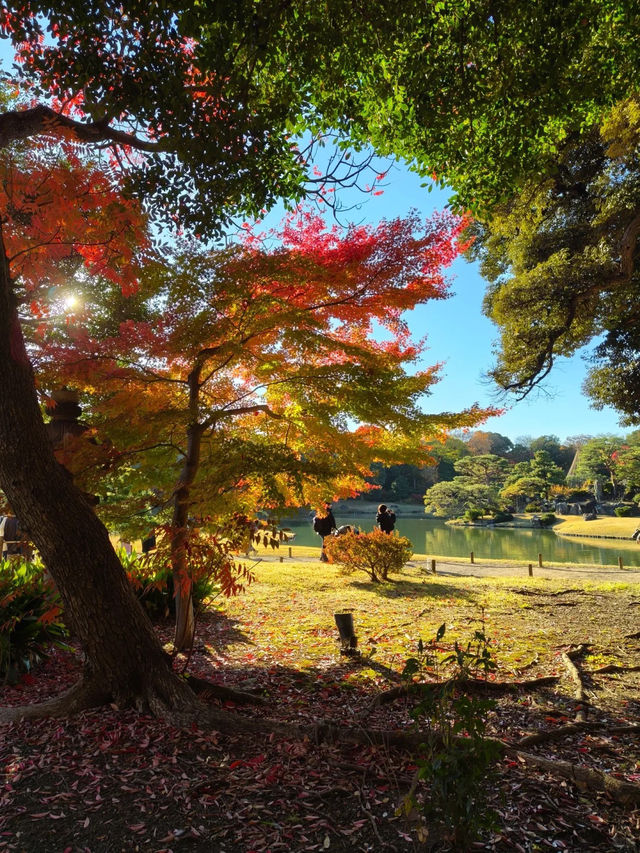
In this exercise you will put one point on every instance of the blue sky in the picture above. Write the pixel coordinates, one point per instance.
(461, 336)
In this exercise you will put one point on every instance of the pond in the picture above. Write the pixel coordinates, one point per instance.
(435, 538)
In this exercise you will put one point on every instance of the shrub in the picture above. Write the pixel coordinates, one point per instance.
(30, 617)
(547, 519)
(473, 514)
(578, 496)
(500, 516)
(375, 553)
(457, 760)
(152, 582)
(623, 511)
(534, 506)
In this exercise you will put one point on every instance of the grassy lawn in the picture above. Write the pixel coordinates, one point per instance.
(571, 525)
(286, 617)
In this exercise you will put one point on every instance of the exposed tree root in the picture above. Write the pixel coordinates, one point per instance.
(574, 728)
(548, 594)
(475, 685)
(188, 714)
(614, 667)
(157, 696)
(586, 779)
(208, 690)
(527, 666)
(623, 792)
(80, 697)
(580, 693)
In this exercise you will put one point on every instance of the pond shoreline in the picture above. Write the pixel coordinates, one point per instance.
(593, 536)
(362, 509)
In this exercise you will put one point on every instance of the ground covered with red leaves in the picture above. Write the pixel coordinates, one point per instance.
(113, 780)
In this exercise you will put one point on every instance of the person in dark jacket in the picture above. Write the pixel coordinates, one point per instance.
(324, 524)
(385, 519)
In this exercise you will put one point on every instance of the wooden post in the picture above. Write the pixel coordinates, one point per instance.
(289, 553)
(281, 558)
(348, 639)
(530, 570)
(540, 560)
(620, 566)
(472, 556)
(433, 566)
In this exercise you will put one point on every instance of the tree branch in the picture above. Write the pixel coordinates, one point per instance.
(21, 124)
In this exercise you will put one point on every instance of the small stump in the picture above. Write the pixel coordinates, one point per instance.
(348, 639)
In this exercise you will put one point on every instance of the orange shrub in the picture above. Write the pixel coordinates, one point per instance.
(375, 553)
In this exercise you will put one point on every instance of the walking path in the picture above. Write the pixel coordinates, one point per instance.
(598, 574)
(478, 570)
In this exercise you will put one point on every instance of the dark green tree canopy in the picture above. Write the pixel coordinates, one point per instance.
(561, 454)
(561, 261)
(213, 96)
(486, 468)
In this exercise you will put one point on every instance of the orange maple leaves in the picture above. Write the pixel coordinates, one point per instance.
(64, 215)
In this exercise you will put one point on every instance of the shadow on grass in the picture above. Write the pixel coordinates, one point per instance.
(329, 684)
(415, 589)
(220, 631)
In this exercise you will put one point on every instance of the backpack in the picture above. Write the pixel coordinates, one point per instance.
(387, 521)
(322, 525)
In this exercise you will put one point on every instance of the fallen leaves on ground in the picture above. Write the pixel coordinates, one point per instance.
(112, 780)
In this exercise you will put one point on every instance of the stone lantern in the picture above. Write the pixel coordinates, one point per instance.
(64, 427)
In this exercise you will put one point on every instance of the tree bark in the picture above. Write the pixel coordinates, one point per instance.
(124, 661)
(182, 580)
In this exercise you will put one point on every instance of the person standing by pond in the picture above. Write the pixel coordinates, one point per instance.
(385, 519)
(324, 524)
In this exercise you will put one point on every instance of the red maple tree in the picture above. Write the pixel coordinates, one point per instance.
(285, 359)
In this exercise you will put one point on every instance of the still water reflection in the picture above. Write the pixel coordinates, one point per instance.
(434, 537)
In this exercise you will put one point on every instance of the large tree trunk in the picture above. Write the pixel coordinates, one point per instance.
(124, 662)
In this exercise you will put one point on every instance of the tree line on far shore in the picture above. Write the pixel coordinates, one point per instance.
(486, 472)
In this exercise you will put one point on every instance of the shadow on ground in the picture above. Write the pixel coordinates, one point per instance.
(412, 589)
